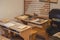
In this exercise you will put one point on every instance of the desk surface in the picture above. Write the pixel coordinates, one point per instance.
(20, 30)
(18, 26)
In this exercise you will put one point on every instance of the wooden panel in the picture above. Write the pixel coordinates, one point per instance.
(26, 34)
(42, 32)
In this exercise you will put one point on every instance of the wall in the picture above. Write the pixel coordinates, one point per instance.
(11, 8)
(56, 5)
(35, 6)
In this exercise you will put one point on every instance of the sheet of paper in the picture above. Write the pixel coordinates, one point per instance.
(35, 20)
(9, 24)
(21, 26)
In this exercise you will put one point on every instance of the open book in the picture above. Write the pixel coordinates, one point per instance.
(19, 25)
(9, 24)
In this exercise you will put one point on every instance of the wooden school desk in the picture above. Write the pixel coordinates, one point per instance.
(39, 27)
(24, 33)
